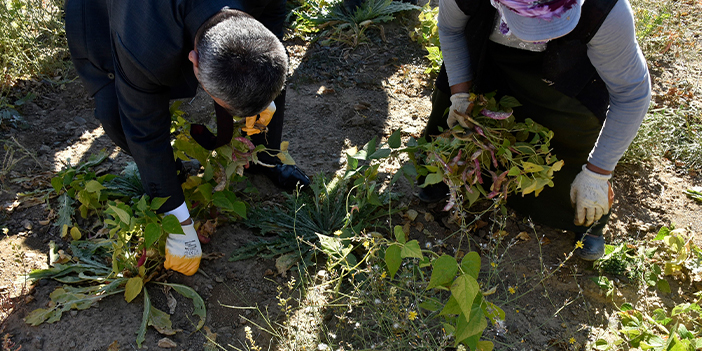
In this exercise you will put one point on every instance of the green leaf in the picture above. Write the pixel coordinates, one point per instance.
(626, 307)
(467, 328)
(395, 140)
(492, 312)
(601, 344)
(198, 304)
(93, 186)
(465, 288)
(443, 271)
(514, 171)
(152, 233)
(57, 184)
(471, 264)
(171, 225)
(122, 214)
(485, 345)
(451, 307)
(141, 333)
(431, 304)
(411, 249)
(400, 234)
(393, 259)
(662, 234)
(663, 286)
(432, 178)
(133, 288)
(382, 153)
(157, 202)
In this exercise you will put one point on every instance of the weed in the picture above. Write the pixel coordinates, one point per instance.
(32, 41)
(427, 34)
(347, 27)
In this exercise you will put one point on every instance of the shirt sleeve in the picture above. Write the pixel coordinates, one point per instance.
(452, 23)
(620, 63)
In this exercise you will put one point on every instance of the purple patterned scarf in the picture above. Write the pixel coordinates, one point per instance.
(543, 9)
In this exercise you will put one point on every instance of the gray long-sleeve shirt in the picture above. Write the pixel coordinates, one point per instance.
(613, 51)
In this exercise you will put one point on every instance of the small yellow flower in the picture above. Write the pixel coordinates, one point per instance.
(579, 245)
(493, 264)
(517, 311)
(572, 340)
(382, 276)
(366, 244)
(512, 290)
(412, 315)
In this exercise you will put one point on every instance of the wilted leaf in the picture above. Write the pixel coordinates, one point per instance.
(523, 236)
(114, 346)
(284, 262)
(75, 233)
(167, 343)
(133, 288)
(198, 304)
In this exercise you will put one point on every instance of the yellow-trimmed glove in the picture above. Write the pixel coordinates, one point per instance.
(258, 123)
(183, 252)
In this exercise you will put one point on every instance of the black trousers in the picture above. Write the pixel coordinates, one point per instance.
(153, 155)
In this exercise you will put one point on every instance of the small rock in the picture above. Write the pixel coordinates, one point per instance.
(412, 215)
(79, 120)
(27, 225)
(44, 149)
(166, 343)
(219, 279)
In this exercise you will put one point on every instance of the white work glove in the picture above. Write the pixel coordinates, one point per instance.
(589, 194)
(459, 102)
(183, 251)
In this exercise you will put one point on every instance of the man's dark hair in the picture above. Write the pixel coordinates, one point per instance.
(240, 62)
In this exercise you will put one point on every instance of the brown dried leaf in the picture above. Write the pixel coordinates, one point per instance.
(166, 343)
(114, 346)
(523, 236)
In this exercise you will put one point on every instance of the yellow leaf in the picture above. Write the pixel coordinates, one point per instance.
(284, 146)
(133, 288)
(75, 233)
(142, 271)
(64, 230)
(532, 167)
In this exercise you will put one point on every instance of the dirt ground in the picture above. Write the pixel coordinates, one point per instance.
(337, 98)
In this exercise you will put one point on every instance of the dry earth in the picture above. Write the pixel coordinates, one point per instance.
(337, 98)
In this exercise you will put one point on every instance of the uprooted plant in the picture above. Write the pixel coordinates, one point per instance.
(514, 156)
(123, 247)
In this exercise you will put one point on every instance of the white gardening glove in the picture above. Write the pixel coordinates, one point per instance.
(590, 195)
(183, 252)
(462, 103)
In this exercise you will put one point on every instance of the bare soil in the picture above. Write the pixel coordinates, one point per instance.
(337, 98)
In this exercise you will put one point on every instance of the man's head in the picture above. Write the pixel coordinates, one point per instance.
(239, 62)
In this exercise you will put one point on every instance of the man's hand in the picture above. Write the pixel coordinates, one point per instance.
(591, 195)
(258, 123)
(183, 252)
(462, 103)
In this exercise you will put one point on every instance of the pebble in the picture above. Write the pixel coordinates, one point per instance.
(79, 120)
